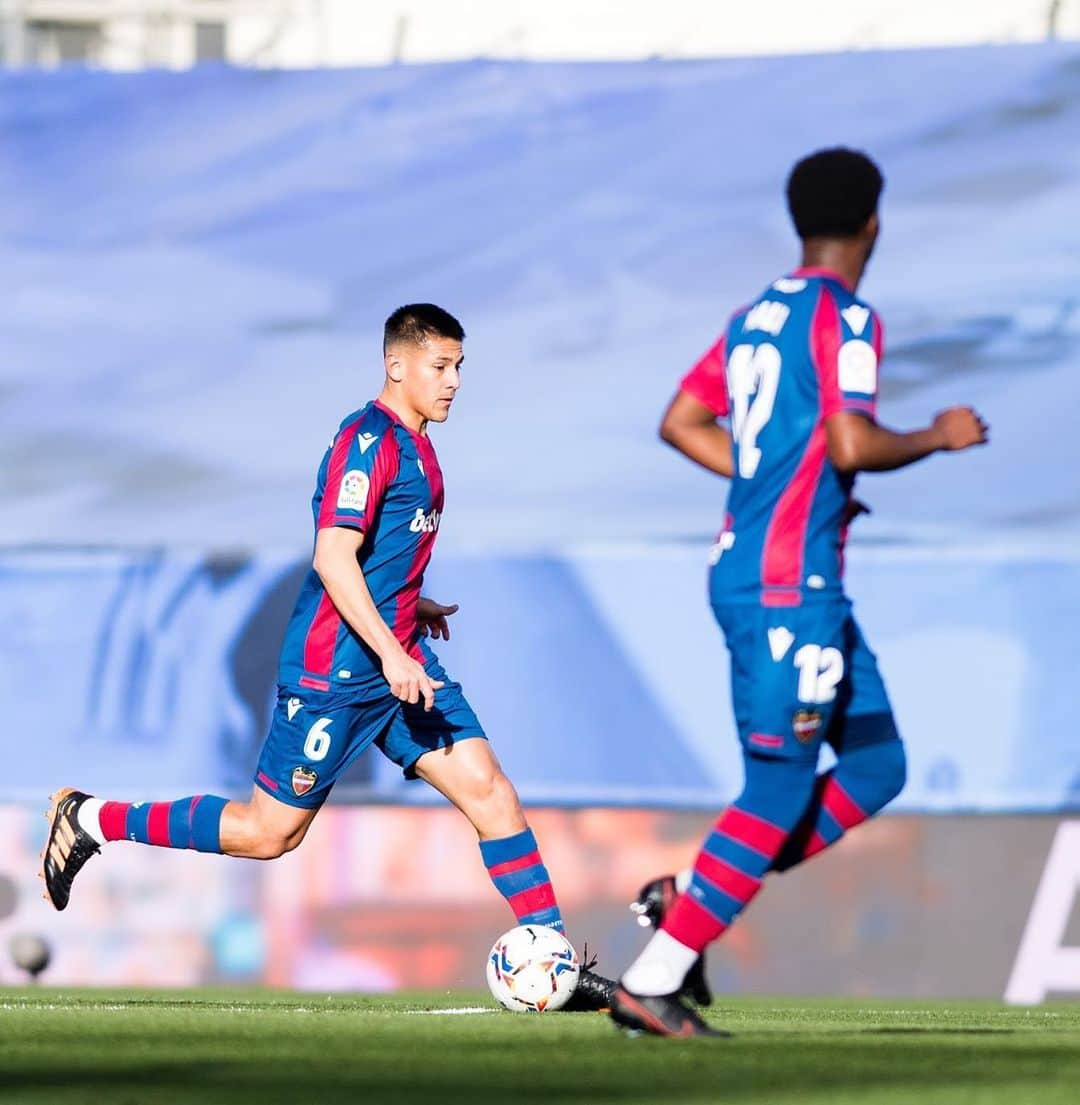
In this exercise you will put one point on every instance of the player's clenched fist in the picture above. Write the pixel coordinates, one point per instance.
(408, 680)
(960, 428)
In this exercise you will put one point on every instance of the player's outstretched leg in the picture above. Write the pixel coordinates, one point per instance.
(865, 780)
(469, 774)
(726, 876)
(80, 825)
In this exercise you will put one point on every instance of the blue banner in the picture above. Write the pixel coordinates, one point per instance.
(598, 673)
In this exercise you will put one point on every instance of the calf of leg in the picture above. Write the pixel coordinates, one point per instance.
(263, 828)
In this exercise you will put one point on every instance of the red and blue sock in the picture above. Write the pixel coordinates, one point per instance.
(741, 848)
(193, 822)
(519, 875)
(865, 779)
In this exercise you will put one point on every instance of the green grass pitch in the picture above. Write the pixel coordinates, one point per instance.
(217, 1047)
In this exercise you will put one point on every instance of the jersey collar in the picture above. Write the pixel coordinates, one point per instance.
(397, 418)
(828, 274)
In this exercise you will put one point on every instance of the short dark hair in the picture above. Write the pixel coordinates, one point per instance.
(833, 192)
(416, 322)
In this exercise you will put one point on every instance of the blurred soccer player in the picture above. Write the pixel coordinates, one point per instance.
(796, 375)
(356, 668)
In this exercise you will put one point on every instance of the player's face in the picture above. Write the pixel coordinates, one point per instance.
(428, 375)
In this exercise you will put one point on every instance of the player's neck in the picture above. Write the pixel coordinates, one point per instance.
(846, 259)
(406, 415)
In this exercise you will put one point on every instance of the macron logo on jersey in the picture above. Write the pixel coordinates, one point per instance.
(365, 441)
(856, 316)
(780, 640)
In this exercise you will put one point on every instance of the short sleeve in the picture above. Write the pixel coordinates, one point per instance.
(707, 381)
(846, 347)
(362, 466)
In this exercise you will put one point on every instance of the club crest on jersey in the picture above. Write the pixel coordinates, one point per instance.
(425, 523)
(292, 706)
(806, 723)
(354, 490)
(303, 779)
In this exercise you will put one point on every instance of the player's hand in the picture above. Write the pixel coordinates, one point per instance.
(431, 618)
(960, 428)
(852, 509)
(408, 680)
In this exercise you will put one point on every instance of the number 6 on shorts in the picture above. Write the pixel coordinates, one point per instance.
(318, 740)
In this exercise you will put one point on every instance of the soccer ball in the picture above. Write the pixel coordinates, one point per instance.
(532, 969)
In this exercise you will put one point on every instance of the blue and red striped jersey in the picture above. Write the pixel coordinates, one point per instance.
(380, 477)
(802, 351)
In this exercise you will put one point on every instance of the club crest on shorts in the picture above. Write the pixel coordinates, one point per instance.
(806, 723)
(303, 779)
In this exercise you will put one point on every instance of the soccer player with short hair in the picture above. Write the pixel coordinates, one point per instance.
(356, 668)
(796, 375)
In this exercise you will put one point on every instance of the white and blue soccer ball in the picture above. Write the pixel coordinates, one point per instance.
(532, 969)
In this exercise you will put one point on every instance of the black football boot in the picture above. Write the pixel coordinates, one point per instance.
(68, 846)
(653, 901)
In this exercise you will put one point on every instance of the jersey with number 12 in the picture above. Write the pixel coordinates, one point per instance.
(804, 350)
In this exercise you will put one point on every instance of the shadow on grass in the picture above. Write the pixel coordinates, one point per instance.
(921, 1030)
(628, 1071)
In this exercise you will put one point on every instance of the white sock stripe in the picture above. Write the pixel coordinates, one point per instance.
(89, 818)
(661, 967)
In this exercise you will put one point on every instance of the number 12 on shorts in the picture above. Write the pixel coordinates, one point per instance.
(820, 671)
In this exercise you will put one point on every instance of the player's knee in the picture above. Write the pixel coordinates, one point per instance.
(271, 845)
(893, 770)
(879, 770)
(269, 841)
(494, 795)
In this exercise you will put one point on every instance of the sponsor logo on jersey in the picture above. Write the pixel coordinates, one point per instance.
(856, 316)
(425, 523)
(806, 723)
(292, 706)
(303, 779)
(857, 367)
(420, 465)
(365, 441)
(768, 315)
(354, 490)
(780, 640)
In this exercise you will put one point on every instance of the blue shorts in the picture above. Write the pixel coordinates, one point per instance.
(315, 735)
(803, 675)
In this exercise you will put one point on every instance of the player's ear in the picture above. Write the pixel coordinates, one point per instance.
(394, 367)
(871, 228)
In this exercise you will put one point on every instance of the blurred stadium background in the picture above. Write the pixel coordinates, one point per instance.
(207, 208)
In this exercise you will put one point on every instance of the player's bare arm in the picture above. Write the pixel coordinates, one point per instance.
(336, 564)
(691, 427)
(857, 444)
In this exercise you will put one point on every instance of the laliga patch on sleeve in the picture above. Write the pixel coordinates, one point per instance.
(354, 490)
(857, 367)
